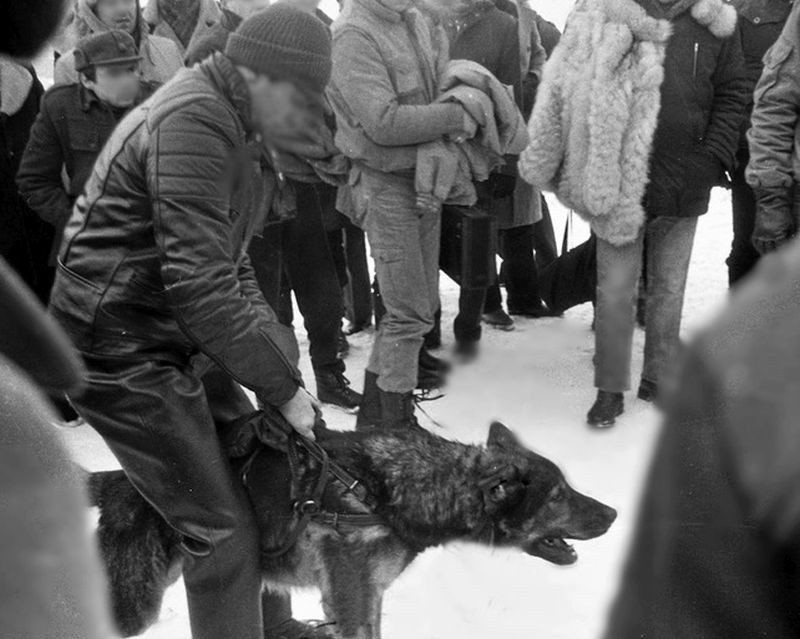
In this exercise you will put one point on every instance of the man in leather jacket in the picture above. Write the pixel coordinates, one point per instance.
(155, 289)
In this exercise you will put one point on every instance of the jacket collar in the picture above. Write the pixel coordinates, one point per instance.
(86, 98)
(227, 80)
(388, 10)
(210, 13)
(717, 16)
(87, 23)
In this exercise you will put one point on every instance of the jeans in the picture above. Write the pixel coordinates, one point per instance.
(744, 256)
(405, 247)
(669, 243)
(160, 420)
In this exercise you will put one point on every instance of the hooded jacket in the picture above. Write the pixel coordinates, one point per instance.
(210, 15)
(609, 139)
(161, 58)
(154, 262)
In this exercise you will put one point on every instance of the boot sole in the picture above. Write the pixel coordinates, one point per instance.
(606, 423)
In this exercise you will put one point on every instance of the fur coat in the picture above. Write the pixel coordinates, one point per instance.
(596, 114)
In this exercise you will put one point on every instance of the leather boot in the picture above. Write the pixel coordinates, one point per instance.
(397, 411)
(606, 409)
(369, 415)
(431, 362)
(334, 388)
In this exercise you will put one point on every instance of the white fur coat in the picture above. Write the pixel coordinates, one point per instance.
(596, 113)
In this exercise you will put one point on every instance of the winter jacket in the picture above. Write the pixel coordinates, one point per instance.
(602, 112)
(386, 65)
(25, 240)
(703, 99)
(533, 56)
(69, 132)
(715, 552)
(760, 24)
(161, 58)
(153, 263)
(210, 15)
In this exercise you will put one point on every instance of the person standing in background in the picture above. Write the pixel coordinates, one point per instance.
(161, 58)
(74, 123)
(184, 21)
(387, 59)
(25, 240)
(761, 22)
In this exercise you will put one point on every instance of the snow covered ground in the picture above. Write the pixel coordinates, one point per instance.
(538, 380)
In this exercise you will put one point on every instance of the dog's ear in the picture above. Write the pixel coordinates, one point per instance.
(502, 488)
(501, 437)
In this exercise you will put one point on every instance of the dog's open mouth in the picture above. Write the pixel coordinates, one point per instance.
(553, 549)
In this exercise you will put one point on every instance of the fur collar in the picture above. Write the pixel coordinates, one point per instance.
(643, 26)
(717, 16)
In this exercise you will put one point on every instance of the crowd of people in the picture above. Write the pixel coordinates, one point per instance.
(195, 164)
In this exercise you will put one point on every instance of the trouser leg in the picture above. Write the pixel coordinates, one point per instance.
(744, 256)
(467, 325)
(544, 238)
(669, 251)
(156, 419)
(266, 257)
(359, 280)
(405, 246)
(313, 277)
(521, 273)
(618, 269)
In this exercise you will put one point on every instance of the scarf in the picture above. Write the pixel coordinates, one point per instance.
(181, 16)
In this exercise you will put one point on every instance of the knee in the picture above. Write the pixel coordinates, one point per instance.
(234, 535)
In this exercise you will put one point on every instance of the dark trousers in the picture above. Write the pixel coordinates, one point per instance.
(300, 260)
(743, 255)
(544, 238)
(358, 296)
(519, 271)
(160, 420)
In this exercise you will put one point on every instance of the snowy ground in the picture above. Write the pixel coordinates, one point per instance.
(538, 380)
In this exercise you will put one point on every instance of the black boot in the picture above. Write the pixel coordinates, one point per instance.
(334, 388)
(606, 409)
(397, 411)
(426, 360)
(369, 415)
(648, 391)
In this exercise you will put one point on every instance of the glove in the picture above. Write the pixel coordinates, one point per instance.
(501, 185)
(775, 223)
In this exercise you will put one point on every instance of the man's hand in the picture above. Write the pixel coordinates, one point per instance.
(775, 224)
(469, 130)
(301, 412)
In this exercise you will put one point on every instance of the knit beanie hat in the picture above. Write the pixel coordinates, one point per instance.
(284, 43)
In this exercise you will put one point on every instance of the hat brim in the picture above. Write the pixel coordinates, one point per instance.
(113, 62)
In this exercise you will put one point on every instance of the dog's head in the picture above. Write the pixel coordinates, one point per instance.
(532, 506)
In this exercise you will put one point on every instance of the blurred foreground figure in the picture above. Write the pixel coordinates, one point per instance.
(717, 551)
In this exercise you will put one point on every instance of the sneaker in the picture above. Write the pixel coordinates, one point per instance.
(334, 388)
(606, 409)
(499, 319)
(648, 391)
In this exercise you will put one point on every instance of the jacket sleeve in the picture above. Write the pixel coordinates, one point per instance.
(39, 176)
(190, 195)
(775, 119)
(730, 101)
(511, 73)
(530, 83)
(362, 80)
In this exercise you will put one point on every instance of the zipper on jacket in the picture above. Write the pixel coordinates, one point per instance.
(694, 61)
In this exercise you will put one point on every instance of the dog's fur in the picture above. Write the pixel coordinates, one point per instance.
(429, 491)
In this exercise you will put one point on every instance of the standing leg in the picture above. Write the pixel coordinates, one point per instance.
(356, 248)
(544, 238)
(743, 255)
(669, 251)
(522, 274)
(156, 419)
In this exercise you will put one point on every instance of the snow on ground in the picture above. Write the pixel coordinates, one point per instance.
(538, 380)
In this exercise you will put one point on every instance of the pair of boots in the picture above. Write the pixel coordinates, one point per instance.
(609, 406)
(383, 410)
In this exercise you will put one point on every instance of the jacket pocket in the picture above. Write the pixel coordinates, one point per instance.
(83, 137)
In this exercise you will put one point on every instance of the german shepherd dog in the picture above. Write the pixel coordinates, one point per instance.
(427, 490)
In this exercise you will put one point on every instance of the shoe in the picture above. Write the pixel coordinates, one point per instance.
(426, 360)
(369, 414)
(429, 379)
(334, 388)
(342, 345)
(648, 391)
(606, 409)
(352, 329)
(499, 319)
(294, 629)
(466, 352)
(397, 411)
(535, 311)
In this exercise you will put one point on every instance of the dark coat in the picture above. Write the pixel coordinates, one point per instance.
(25, 240)
(69, 132)
(548, 33)
(703, 98)
(716, 551)
(760, 24)
(153, 263)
